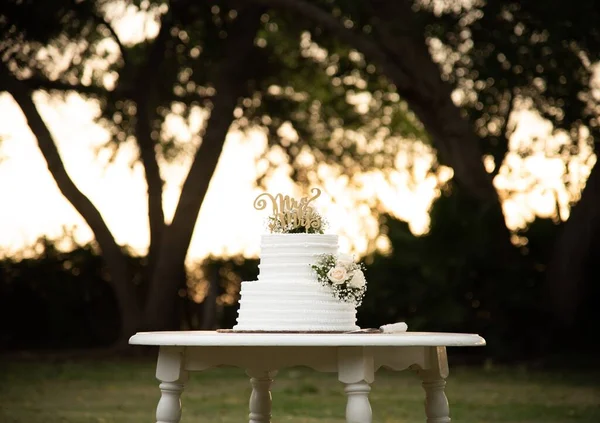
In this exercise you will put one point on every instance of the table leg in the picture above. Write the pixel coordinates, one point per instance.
(260, 399)
(356, 372)
(170, 372)
(358, 408)
(437, 409)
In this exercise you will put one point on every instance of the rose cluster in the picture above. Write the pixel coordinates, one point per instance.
(345, 277)
(345, 272)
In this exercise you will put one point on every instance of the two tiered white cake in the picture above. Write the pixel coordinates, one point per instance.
(303, 284)
(287, 295)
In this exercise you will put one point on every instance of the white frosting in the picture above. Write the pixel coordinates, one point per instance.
(287, 295)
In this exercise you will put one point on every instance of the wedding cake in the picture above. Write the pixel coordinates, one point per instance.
(304, 284)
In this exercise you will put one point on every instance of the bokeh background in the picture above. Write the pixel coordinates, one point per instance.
(455, 143)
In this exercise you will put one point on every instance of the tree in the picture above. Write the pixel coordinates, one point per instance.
(392, 37)
(247, 69)
(463, 67)
(510, 52)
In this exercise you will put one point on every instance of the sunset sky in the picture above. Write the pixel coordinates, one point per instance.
(32, 204)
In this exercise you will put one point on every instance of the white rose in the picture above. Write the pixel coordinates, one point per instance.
(345, 259)
(337, 275)
(358, 279)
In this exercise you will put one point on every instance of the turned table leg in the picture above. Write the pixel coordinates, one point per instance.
(436, 403)
(358, 408)
(356, 372)
(260, 399)
(170, 372)
(437, 409)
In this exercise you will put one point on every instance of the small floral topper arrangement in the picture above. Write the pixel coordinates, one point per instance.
(291, 216)
(345, 277)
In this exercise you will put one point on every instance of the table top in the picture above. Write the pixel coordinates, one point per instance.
(238, 339)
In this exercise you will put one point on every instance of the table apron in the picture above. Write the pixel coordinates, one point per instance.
(323, 359)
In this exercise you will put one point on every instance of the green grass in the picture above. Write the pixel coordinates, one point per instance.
(105, 391)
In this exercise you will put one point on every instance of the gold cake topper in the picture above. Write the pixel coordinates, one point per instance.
(291, 215)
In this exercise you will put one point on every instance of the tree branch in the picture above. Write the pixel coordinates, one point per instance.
(112, 253)
(102, 21)
(504, 135)
(84, 206)
(144, 95)
(37, 83)
(431, 100)
(373, 53)
(122, 92)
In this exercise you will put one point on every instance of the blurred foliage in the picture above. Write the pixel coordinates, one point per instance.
(56, 299)
(509, 55)
(450, 280)
(434, 283)
(336, 104)
(51, 298)
(227, 275)
(342, 111)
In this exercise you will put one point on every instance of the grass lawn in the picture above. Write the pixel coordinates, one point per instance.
(104, 391)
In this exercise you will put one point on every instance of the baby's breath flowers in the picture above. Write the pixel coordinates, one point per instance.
(345, 277)
(297, 222)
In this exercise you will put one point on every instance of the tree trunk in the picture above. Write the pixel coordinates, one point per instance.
(230, 80)
(115, 259)
(145, 98)
(209, 311)
(154, 181)
(431, 100)
(565, 274)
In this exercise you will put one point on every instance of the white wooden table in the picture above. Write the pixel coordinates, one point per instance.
(354, 357)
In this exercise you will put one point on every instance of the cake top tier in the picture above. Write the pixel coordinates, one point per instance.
(291, 216)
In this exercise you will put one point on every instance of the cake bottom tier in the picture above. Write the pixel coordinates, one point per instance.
(292, 307)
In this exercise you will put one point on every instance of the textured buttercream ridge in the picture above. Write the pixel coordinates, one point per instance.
(306, 280)
(296, 237)
(291, 285)
(299, 302)
(287, 253)
(305, 323)
(325, 240)
(280, 315)
(305, 266)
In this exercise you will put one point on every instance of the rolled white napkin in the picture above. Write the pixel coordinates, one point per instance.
(394, 327)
